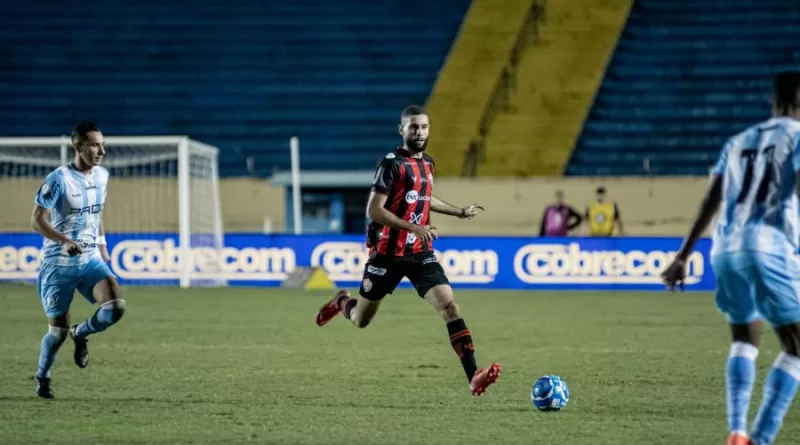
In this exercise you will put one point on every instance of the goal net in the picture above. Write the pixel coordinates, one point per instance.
(162, 213)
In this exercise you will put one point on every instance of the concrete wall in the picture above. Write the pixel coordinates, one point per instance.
(151, 205)
(659, 206)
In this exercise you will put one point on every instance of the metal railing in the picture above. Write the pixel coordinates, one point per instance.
(505, 84)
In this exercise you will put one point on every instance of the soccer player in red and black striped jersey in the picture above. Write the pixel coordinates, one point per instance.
(400, 237)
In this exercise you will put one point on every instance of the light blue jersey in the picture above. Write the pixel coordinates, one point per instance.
(756, 235)
(76, 202)
(759, 209)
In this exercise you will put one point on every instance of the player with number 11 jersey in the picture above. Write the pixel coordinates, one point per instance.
(755, 186)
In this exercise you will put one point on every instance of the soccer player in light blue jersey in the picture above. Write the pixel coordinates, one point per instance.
(68, 213)
(755, 186)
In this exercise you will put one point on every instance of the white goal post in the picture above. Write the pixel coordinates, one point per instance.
(159, 187)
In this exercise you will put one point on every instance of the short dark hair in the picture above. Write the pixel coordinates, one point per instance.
(412, 110)
(786, 90)
(81, 130)
(600, 190)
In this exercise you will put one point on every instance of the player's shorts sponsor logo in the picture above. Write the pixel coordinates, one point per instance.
(412, 196)
(431, 259)
(568, 264)
(19, 263)
(344, 261)
(377, 271)
(162, 260)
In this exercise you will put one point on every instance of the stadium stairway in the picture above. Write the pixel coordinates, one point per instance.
(244, 78)
(465, 83)
(685, 76)
(556, 82)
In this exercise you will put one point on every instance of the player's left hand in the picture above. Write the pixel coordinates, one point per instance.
(104, 253)
(470, 212)
(674, 274)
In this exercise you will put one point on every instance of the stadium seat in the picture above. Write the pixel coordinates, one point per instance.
(685, 76)
(246, 79)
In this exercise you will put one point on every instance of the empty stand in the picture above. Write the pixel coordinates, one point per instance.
(467, 79)
(245, 78)
(556, 82)
(685, 76)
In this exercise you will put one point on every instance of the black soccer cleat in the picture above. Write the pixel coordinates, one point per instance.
(81, 348)
(43, 388)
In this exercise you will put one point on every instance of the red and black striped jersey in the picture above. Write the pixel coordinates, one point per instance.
(408, 182)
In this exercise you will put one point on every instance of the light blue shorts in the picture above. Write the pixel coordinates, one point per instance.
(57, 284)
(753, 285)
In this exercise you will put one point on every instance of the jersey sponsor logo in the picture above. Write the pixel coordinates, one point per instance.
(413, 196)
(568, 264)
(344, 261)
(19, 263)
(85, 245)
(415, 218)
(88, 210)
(162, 260)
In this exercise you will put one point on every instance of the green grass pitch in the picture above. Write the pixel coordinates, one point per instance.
(213, 366)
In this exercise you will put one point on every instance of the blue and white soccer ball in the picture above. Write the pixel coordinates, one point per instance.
(550, 393)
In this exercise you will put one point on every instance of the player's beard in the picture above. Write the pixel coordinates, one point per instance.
(414, 148)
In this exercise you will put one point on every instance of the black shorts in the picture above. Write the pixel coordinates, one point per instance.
(382, 274)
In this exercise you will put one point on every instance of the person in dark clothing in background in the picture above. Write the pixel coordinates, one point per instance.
(559, 218)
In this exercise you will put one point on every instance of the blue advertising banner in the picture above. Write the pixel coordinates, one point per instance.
(469, 261)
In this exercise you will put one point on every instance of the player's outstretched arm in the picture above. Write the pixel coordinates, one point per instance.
(440, 206)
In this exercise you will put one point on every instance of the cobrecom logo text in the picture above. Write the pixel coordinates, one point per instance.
(568, 264)
(161, 260)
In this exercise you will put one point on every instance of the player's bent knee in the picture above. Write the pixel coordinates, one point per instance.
(450, 311)
(117, 308)
(361, 319)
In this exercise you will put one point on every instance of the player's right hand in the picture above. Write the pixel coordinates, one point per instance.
(72, 248)
(674, 274)
(425, 233)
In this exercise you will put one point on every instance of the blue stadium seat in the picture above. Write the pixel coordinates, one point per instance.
(685, 76)
(244, 78)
